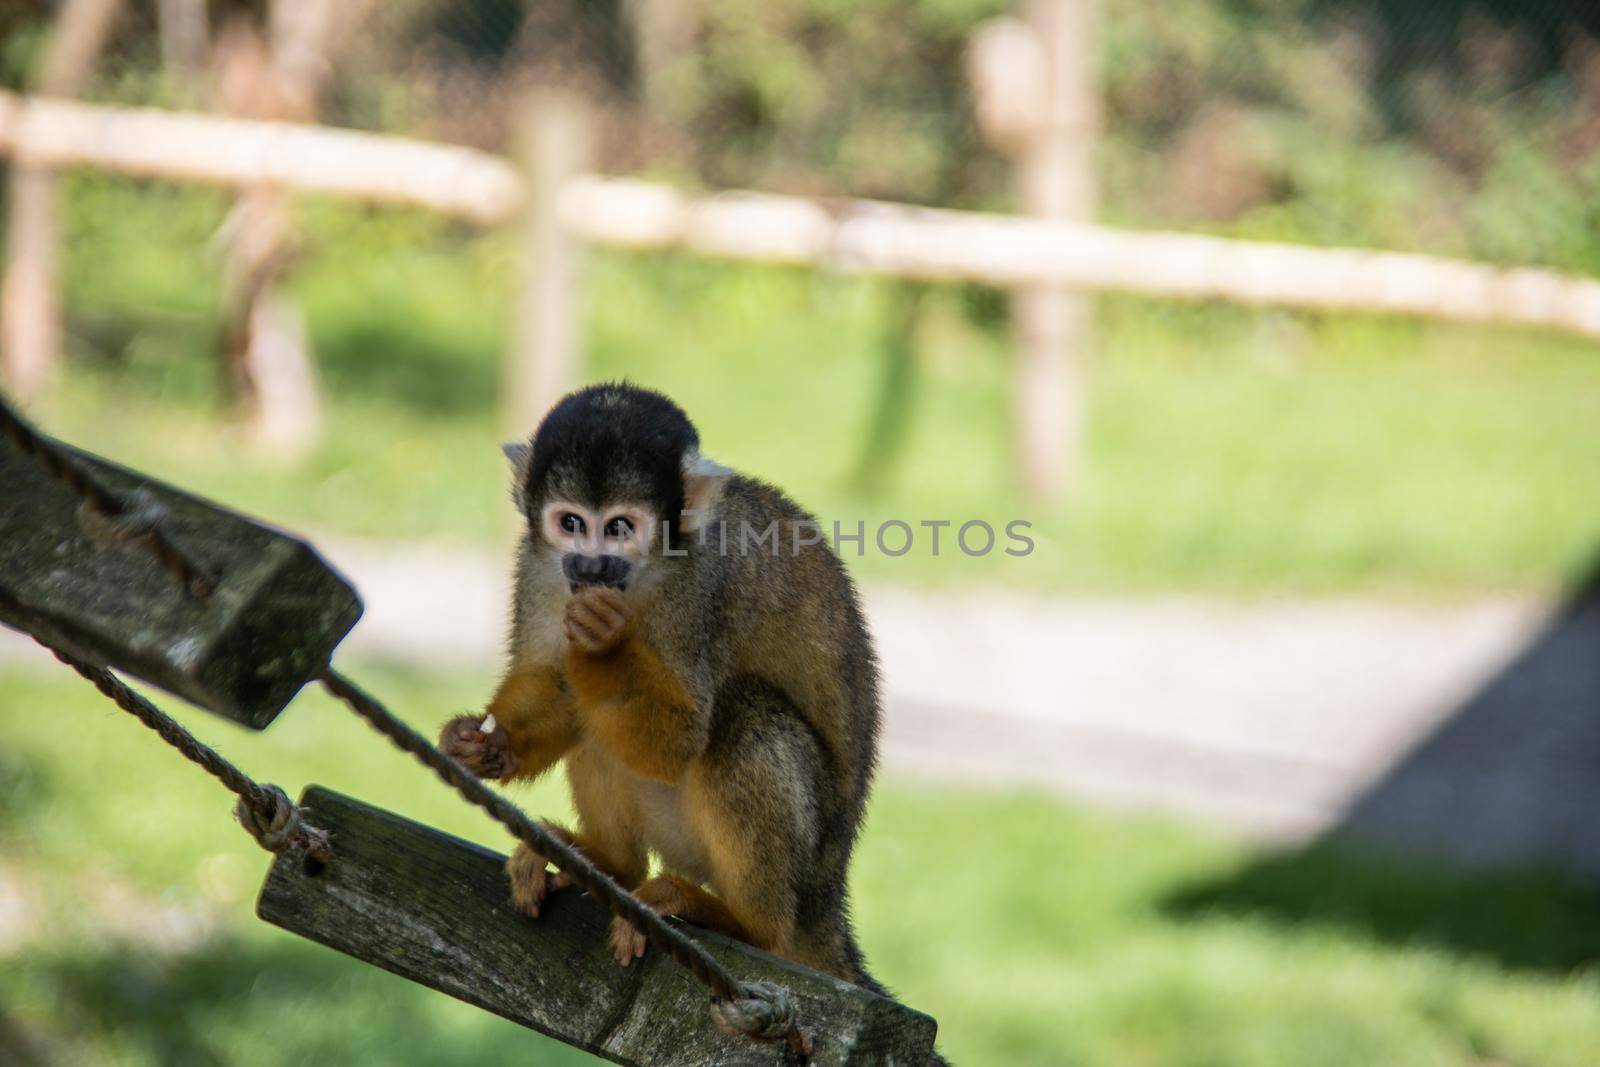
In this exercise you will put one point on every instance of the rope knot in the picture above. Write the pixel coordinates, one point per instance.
(276, 824)
(764, 1012)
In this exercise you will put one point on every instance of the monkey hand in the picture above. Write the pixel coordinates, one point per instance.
(597, 619)
(487, 755)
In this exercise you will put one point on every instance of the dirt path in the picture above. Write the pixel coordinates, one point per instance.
(1275, 716)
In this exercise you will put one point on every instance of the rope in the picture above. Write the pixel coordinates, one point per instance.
(760, 1010)
(265, 810)
(127, 517)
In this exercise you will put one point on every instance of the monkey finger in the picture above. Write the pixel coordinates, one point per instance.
(577, 615)
(457, 736)
(603, 601)
(498, 763)
(599, 618)
(582, 619)
(611, 600)
(579, 637)
(463, 726)
(591, 637)
(613, 596)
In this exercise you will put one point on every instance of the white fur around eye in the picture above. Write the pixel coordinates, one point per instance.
(637, 539)
(551, 519)
(593, 538)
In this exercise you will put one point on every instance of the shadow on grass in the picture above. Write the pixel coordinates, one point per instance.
(1483, 839)
(1529, 920)
(288, 1001)
(391, 360)
(369, 356)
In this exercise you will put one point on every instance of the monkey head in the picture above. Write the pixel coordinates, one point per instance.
(611, 480)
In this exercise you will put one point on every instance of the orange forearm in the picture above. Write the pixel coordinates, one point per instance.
(537, 712)
(637, 708)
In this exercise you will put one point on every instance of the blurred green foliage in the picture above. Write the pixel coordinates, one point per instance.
(1229, 450)
(1457, 126)
(1074, 938)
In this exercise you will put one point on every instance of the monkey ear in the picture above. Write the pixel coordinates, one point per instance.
(520, 453)
(703, 479)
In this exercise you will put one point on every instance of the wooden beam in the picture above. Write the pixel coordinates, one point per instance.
(243, 652)
(185, 33)
(187, 146)
(30, 306)
(436, 909)
(1051, 323)
(847, 235)
(543, 360)
(870, 237)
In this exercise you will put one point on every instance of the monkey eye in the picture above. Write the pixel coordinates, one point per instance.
(572, 523)
(619, 528)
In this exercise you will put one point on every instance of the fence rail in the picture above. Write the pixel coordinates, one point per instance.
(849, 235)
(1001, 250)
(186, 146)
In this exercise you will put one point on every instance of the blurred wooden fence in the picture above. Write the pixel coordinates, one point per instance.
(567, 207)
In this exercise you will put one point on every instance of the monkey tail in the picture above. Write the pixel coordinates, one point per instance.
(858, 972)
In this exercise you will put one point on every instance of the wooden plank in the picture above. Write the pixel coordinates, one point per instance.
(1052, 323)
(873, 237)
(191, 146)
(272, 622)
(30, 306)
(852, 235)
(543, 360)
(436, 909)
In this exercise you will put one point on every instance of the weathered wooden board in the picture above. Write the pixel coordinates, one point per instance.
(244, 651)
(436, 909)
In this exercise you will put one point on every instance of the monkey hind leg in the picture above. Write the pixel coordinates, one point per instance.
(671, 895)
(779, 825)
(756, 799)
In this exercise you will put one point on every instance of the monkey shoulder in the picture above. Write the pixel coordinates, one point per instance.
(790, 617)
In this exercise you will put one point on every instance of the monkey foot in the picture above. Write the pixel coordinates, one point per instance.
(627, 941)
(531, 880)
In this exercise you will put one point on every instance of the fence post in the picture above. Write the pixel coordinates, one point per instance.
(185, 36)
(553, 147)
(30, 308)
(1056, 180)
(265, 344)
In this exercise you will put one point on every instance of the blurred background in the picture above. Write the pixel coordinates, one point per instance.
(1284, 739)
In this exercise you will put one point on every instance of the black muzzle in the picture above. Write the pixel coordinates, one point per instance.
(582, 570)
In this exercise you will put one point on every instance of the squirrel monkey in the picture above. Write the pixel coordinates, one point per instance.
(707, 677)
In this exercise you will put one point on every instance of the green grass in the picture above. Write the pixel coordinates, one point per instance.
(1229, 451)
(1036, 931)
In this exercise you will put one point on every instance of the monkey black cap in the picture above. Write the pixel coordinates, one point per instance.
(612, 442)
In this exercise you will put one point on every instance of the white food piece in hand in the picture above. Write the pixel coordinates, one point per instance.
(487, 727)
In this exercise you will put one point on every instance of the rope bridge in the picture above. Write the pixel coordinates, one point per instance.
(237, 618)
